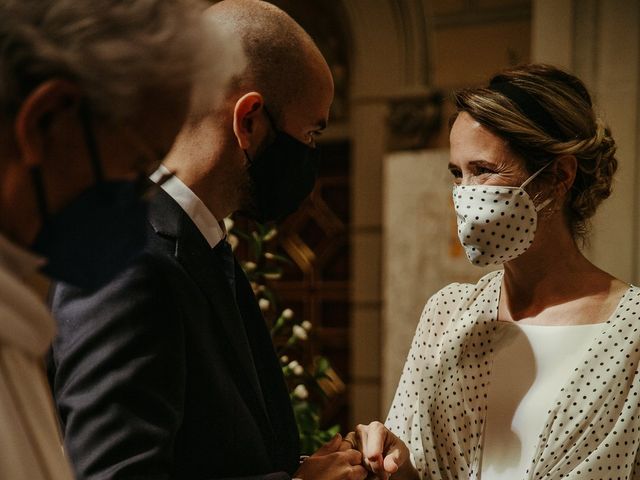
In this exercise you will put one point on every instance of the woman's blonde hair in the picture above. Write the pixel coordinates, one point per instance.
(543, 113)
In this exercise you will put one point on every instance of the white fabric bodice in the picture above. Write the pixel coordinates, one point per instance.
(531, 363)
(590, 430)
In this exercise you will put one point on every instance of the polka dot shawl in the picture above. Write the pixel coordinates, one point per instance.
(592, 428)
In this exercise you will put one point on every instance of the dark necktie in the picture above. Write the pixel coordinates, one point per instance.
(225, 254)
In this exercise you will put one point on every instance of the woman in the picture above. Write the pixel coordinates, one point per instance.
(530, 373)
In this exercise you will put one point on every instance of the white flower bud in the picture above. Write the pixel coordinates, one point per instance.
(287, 314)
(228, 223)
(273, 276)
(301, 392)
(298, 370)
(284, 359)
(269, 256)
(293, 364)
(299, 332)
(270, 235)
(250, 266)
(233, 241)
(264, 304)
(306, 325)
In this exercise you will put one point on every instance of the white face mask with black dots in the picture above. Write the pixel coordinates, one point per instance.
(496, 223)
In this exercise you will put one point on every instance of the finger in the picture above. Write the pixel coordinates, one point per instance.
(379, 476)
(361, 441)
(392, 462)
(331, 446)
(352, 438)
(345, 446)
(374, 446)
(396, 453)
(357, 472)
(354, 457)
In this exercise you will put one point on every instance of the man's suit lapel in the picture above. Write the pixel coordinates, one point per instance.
(194, 253)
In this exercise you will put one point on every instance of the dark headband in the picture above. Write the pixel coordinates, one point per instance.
(529, 106)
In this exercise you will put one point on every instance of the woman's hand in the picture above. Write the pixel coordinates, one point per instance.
(383, 453)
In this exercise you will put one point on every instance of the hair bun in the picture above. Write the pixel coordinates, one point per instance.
(596, 168)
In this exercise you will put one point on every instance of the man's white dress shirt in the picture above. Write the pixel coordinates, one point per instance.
(212, 230)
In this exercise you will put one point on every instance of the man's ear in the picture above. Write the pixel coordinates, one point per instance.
(247, 123)
(36, 114)
(566, 167)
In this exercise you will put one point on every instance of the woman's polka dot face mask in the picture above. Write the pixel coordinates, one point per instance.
(495, 223)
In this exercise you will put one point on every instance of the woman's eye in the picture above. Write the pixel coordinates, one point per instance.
(483, 171)
(455, 173)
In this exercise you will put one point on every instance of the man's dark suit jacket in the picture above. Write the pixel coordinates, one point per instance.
(162, 374)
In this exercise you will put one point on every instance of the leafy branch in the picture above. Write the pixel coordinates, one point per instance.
(311, 381)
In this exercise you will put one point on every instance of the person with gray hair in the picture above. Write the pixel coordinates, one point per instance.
(169, 371)
(92, 95)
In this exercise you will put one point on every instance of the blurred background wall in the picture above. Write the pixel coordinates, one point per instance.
(377, 237)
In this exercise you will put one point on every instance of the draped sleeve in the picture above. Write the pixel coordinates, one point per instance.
(408, 417)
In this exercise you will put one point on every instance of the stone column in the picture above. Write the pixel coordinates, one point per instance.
(599, 40)
(389, 61)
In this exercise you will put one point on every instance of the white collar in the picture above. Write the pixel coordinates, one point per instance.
(212, 230)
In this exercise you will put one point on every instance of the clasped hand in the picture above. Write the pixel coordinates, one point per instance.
(383, 453)
(369, 449)
(333, 462)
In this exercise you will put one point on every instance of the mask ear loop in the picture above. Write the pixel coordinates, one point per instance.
(92, 147)
(41, 198)
(272, 122)
(531, 178)
(270, 118)
(92, 144)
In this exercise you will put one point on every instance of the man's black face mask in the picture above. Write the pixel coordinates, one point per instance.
(95, 237)
(282, 176)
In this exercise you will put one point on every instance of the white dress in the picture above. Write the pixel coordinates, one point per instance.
(530, 365)
(591, 429)
(30, 445)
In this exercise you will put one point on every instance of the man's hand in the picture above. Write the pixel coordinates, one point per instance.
(331, 462)
(384, 454)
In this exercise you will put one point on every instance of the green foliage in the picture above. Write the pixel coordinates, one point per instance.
(290, 334)
(308, 419)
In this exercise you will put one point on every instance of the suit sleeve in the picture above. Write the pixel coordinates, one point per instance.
(119, 374)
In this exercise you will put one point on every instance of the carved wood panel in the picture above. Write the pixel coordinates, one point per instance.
(316, 284)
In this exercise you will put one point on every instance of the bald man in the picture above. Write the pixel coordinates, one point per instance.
(169, 372)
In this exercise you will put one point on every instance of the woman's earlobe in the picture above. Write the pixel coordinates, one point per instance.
(566, 167)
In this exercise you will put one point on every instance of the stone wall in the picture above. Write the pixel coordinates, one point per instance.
(421, 252)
